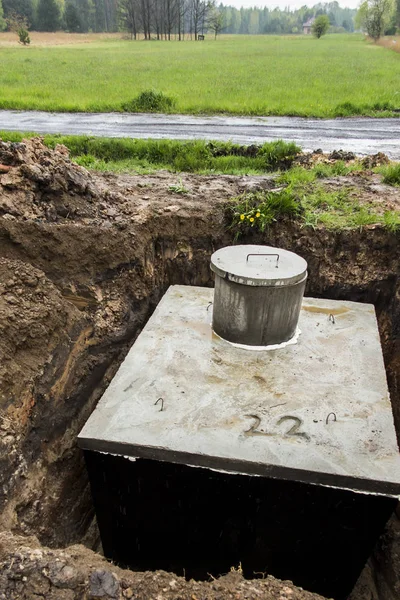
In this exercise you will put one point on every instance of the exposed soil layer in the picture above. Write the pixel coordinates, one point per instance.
(84, 260)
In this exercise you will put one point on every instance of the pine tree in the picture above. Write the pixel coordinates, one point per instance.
(2, 20)
(86, 11)
(98, 17)
(48, 15)
(71, 16)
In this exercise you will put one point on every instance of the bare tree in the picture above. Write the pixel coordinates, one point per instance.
(171, 16)
(182, 7)
(199, 10)
(216, 21)
(146, 17)
(168, 18)
(129, 16)
(157, 18)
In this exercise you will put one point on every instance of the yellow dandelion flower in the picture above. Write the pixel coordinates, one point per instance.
(251, 219)
(258, 214)
(241, 217)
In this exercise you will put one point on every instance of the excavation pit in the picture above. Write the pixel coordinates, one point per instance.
(299, 462)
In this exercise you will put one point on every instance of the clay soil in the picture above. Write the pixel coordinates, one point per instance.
(84, 259)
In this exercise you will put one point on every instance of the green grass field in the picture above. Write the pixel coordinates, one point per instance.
(338, 75)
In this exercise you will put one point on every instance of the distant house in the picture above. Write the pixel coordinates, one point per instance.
(307, 26)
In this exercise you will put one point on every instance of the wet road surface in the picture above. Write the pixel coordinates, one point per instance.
(360, 135)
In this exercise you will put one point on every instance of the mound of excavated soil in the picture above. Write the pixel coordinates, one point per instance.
(29, 571)
(38, 183)
(84, 259)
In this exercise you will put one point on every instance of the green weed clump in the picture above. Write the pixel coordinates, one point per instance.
(348, 109)
(260, 209)
(198, 156)
(150, 101)
(391, 174)
(270, 154)
(178, 188)
(296, 176)
(391, 220)
(279, 153)
(338, 168)
(384, 106)
(14, 136)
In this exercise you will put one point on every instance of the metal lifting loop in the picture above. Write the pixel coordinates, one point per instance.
(266, 254)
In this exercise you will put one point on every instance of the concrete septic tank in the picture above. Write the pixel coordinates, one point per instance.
(202, 454)
(258, 294)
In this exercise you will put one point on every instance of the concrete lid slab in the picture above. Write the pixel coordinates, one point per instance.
(259, 265)
(317, 411)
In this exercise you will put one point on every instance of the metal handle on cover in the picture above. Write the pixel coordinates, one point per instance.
(265, 254)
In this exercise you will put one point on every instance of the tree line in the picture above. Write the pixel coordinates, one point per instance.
(167, 19)
(71, 15)
(379, 17)
(277, 21)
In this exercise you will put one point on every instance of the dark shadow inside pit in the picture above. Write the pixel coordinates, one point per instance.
(200, 523)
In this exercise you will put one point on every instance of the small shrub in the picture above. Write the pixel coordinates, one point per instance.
(320, 26)
(150, 101)
(23, 36)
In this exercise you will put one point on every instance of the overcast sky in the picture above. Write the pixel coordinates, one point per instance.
(282, 3)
